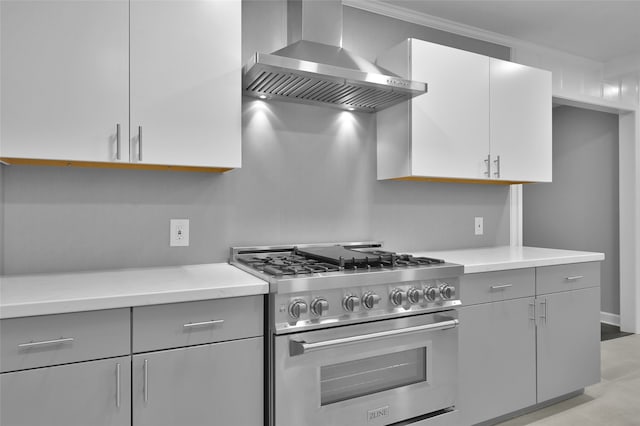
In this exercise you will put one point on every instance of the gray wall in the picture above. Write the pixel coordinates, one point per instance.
(308, 175)
(579, 210)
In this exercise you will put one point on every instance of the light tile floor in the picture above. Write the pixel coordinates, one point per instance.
(615, 401)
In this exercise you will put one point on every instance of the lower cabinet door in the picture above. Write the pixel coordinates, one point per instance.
(83, 394)
(568, 341)
(497, 359)
(215, 384)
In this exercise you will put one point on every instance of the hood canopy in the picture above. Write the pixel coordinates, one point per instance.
(311, 71)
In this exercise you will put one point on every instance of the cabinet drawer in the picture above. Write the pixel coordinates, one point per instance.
(573, 276)
(495, 286)
(193, 323)
(38, 341)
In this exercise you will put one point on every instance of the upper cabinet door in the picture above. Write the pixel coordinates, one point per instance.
(450, 123)
(482, 120)
(521, 104)
(185, 82)
(65, 77)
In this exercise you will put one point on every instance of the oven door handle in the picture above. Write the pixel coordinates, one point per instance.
(300, 348)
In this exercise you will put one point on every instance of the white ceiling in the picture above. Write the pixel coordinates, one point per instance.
(601, 30)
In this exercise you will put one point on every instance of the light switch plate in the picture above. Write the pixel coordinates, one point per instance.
(179, 232)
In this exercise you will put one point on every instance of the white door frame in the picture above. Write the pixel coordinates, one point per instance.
(629, 209)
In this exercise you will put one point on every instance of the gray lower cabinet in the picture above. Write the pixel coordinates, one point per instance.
(199, 363)
(568, 345)
(214, 384)
(189, 364)
(81, 394)
(497, 359)
(527, 336)
(70, 369)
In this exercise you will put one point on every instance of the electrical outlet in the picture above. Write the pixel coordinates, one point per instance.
(479, 225)
(179, 232)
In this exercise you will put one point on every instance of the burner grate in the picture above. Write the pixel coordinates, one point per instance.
(330, 259)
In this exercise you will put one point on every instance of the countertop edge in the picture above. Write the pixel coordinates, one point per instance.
(503, 266)
(500, 258)
(187, 284)
(116, 302)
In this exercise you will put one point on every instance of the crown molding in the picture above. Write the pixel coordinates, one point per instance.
(408, 15)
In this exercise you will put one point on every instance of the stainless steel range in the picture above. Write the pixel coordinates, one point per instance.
(358, 335)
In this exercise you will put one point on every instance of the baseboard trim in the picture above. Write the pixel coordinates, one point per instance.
(609, 318)
(530, 409)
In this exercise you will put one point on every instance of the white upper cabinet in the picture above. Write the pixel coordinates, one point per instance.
(185, 82)
(65, 79)
(476, 123)
(75, 72)
(520, 122)
(444, 132)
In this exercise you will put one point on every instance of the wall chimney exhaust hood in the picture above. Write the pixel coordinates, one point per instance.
(314, 70)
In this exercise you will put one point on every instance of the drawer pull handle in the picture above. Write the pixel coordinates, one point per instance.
(574, 278)
(47, 342)
(203, 323)
(501, 287)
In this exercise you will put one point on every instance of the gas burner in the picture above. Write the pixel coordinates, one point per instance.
(286, 264)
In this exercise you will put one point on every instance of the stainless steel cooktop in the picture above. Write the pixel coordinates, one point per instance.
(322, 285)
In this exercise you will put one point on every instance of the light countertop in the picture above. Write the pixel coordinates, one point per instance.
(486, 259)
(29, 295)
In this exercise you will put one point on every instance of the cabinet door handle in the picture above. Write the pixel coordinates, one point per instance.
(146, 381)
(117, 141)
(47, 342)
(545, 315)
(574, 278)
(532, 312)
(203, 323)
(487, 173)
(497, 163)
(139, 143)
(501, 287)
(118, 385)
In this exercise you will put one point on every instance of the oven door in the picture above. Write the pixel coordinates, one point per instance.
(377, 373)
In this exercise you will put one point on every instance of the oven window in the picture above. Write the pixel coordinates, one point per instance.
(347, 380)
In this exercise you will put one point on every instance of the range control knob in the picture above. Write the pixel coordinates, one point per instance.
(447, 291)
(296, 308)
(370, 299)
(396, 296)
(430, 294)
(351, 303)
(319, 306)
(413, 294)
